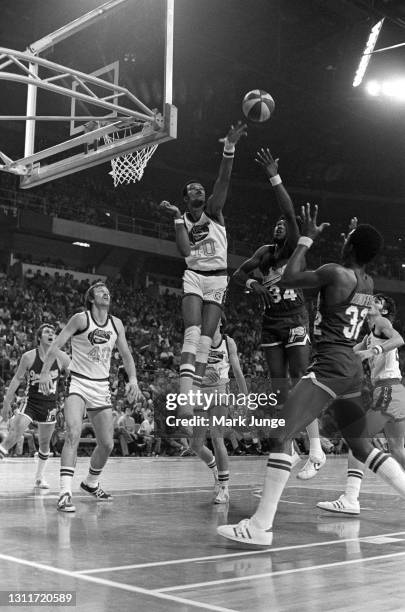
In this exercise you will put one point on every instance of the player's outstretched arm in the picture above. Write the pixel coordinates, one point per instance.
(394, 340)
(217, 199)
(133, 393)
(241, 275)
(26, 362)
(235, 365)
(182, 240)
(75, 324)
(265, 159)
(294, 274)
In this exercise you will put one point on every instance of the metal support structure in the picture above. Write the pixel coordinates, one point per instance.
(168, 86)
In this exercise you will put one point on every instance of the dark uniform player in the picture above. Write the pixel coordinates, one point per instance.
(346, 294)
(36, 406)
(285, 337)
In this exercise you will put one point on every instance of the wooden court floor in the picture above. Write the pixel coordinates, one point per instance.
(155, 547)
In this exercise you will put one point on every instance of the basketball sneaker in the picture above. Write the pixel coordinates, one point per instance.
(65, 503)
(222, 496)
(246, 533)
(343, 505)
(41, 483)
(312, 467)
(96, 492)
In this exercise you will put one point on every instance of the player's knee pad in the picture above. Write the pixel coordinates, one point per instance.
(191, 339)
(203, 349)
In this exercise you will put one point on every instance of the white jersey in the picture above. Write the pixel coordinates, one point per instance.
(208, 242)
(92, 349)
(385, 365)
(218, 362)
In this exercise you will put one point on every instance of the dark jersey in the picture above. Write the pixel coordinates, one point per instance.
(283, 301)
(34, 396)
(341, 323)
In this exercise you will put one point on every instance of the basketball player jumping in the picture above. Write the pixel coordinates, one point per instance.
(93, 335)
(201, 240)
(285, 337)
(37, 406)
(380, 348)
(222, 356)
(346, 296)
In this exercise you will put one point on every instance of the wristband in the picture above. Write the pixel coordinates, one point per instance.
(305, 241)
(378, 349)
(179, 221)
(275, 180)
(250, 282)
(133, 381)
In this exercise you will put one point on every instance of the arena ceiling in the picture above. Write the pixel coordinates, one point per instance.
(304, 52)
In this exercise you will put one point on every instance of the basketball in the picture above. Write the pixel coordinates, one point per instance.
(258, 105)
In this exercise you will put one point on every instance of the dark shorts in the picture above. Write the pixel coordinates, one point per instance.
(389, 399)
(288, 331)
(337, 370)
(40, 413)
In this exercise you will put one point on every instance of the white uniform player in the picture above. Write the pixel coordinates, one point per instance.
(93, 335)
(212, 414)
(201, 240)
(206, 274)
(91, 359)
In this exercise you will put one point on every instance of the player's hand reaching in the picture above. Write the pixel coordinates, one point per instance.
(134, 394)
(352, 226)
(170, 209)
(45, 383)
(235, 133)
(262, 292)
(265, 159)
(309, 226)
(365, 354)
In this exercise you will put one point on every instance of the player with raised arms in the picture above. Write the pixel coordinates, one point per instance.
(93, 335)
(380, 349)
(37, 407)
(336, 371)
(222, 356)
(285, 337)
(201, 239)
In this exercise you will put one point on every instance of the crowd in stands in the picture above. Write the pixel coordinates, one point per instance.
(94, 203)
(154, 333)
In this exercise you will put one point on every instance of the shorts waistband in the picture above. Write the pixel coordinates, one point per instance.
(221, 272)
(387, 382)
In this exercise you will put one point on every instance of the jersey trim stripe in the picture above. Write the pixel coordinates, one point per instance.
(77, 375)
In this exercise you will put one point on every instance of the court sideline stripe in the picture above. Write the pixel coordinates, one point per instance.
(116, 585)
(278, 573)
(229, 555)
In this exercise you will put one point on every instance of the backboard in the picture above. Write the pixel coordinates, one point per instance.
(113, 64)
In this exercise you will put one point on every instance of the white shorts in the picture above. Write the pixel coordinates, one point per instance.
(211, 289)
(95, 393)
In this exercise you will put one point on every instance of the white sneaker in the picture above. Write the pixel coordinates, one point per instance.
(341, 506)
(246, 533)
(312, 467)
(222, 495)
(40, 483)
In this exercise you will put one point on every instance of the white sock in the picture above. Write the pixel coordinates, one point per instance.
(42, 459)
(93, 476)
(277, 474)
(66, 478)
(315, 448)
(213, 467)
(353, 484)
(388, 469)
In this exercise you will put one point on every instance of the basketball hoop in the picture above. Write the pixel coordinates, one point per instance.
(130, 167)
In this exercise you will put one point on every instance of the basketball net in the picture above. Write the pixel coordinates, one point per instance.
(130, 167)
